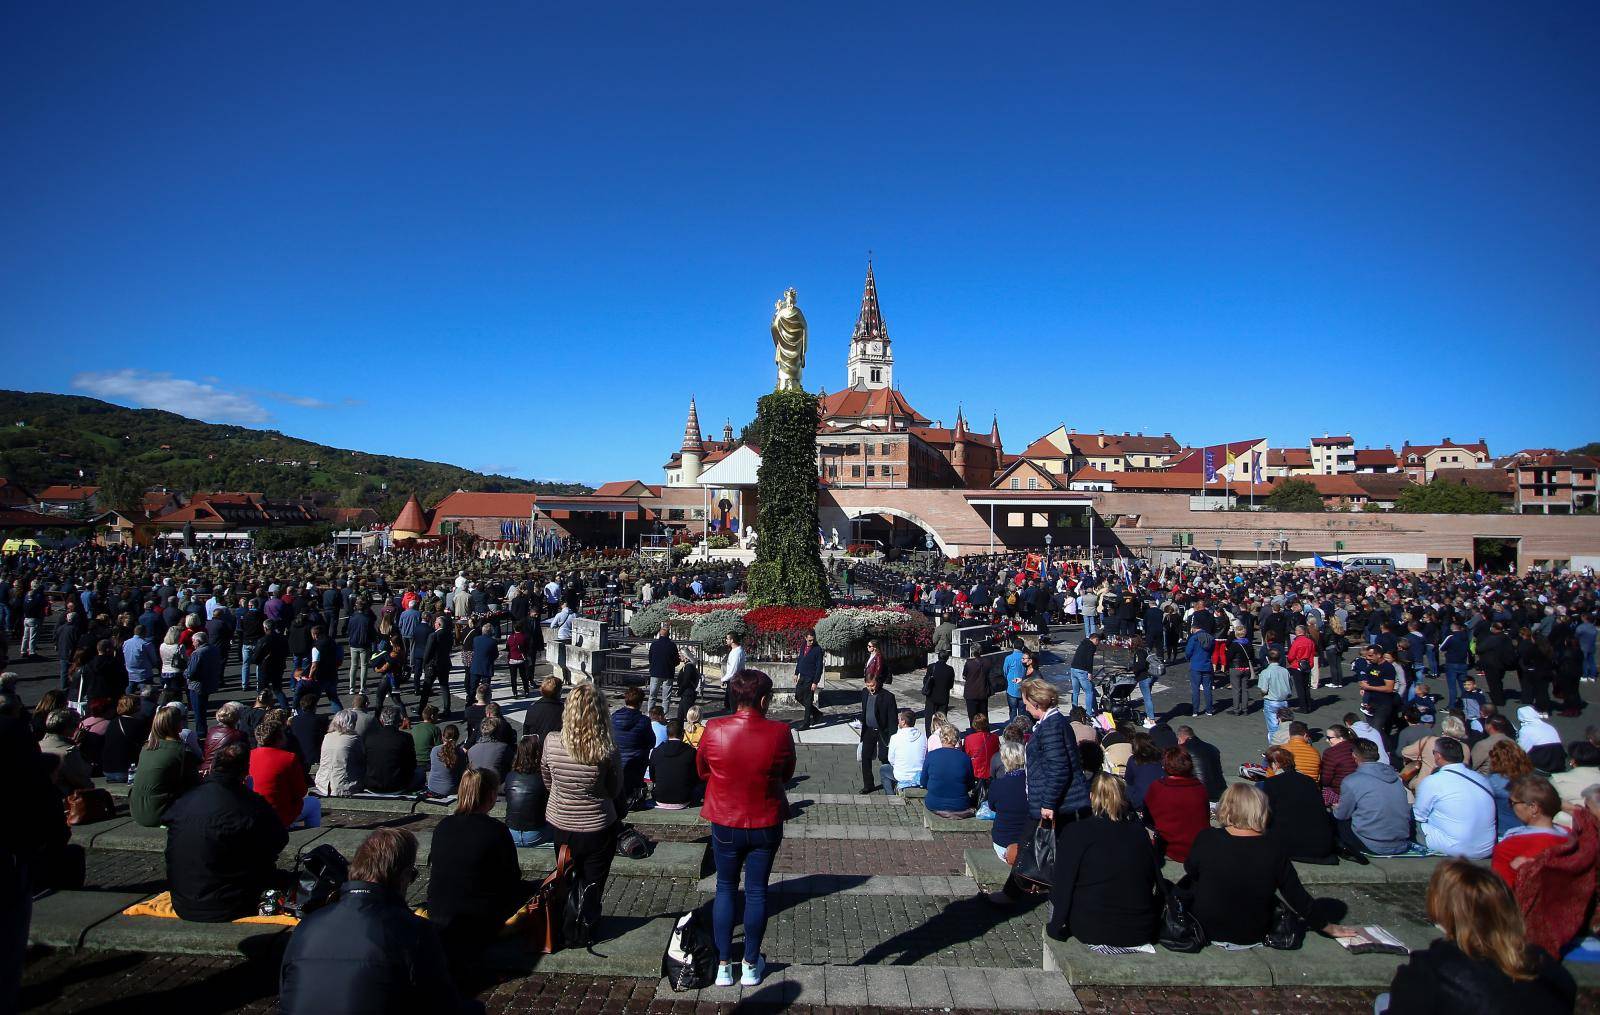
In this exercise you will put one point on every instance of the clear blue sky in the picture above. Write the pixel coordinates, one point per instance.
(520, 236)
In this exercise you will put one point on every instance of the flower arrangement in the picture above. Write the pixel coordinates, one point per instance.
(779, 632)
(684, 608)
(720, 541)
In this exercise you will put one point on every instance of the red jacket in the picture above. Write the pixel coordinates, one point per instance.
(981, 748)
(745, 759)
(1179, 810)
(1338, 761)
(1302, 653)
(276, 775)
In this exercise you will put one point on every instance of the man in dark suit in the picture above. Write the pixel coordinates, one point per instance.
(436, 665)
(807, 677)
(664, 660)
(1207, 762)
(936, 687)
(878, 722)
(975, 685)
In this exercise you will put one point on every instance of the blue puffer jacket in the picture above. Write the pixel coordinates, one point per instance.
(630, 728)
(1055, 770)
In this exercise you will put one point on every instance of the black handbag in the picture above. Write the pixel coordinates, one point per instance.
(1036, 855)
(1180, 930)
(632, 844)
(1287, 931)
(579, 913)
(317, 876)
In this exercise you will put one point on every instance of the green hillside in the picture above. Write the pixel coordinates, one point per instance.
(46, 438)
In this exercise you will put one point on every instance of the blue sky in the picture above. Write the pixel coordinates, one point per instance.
(519, 237)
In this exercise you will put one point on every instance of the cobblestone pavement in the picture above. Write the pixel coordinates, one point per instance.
(857, 856)
(109, 982)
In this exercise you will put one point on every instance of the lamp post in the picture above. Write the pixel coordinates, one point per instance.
(1150, 550)
(1218, 543)
(1258, 552)
(1047, 541)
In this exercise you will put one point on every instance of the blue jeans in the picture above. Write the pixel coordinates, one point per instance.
(247, 653)
(532, 837)
(330, 690)
(1431, 663)
(1090, 624)
(1082, 681)
(750, 850)
(1454, 674)
(1270, 709)
(890, 785)
(1013, 706)
(1589, 665)
(1149, 702)
(197, 708)
(1199, 680)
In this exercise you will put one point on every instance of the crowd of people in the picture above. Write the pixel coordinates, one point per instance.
(332, 648)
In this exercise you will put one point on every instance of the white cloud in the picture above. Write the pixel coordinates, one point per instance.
(175, 394)
(303, 401)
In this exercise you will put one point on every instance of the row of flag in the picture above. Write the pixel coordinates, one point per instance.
(1247, 468)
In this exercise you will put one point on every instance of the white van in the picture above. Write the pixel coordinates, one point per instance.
(1384, 565)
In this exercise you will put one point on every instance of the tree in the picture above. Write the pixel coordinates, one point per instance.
(1591, 449)
(1294, 495)
(1441, 497)
(120, 490)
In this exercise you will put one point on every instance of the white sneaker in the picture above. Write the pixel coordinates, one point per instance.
(725, 974)
(753, 974)
(1149, 724)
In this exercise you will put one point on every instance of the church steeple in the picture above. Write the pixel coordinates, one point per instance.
(692, 440)
(871, 364)
(994, 433)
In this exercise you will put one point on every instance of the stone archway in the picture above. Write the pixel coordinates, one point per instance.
(853, 513)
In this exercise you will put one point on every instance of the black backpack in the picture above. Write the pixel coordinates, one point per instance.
(690, 961)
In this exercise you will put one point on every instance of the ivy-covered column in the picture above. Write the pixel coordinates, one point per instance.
(788, 569)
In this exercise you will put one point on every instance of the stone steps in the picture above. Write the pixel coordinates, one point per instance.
(925, 987)
(990, 872)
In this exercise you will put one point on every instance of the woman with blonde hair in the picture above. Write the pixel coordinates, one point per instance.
(171, 664)
(475, 881)
(1483, 963)
(1234, 875)
(581, 767)
(166, 770)
(1104, 891)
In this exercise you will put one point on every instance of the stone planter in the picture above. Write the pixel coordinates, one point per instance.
(847, 665)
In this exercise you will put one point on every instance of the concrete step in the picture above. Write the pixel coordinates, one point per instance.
(990, 872)
(923, 885)
(925, 987)
(667, 860)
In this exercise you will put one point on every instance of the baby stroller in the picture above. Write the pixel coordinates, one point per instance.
(1118, 694)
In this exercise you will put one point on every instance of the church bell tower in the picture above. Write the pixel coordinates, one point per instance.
(871, 363)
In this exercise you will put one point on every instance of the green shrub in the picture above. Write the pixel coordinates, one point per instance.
(788, 568)
(712, 629)
(646, 622)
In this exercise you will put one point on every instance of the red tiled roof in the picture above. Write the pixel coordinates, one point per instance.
(1376, 456)
(1487, 480)
(67, 493)
(1043, 448)
(1556, 461)
(1289, 458)
(469, 504)
(1193, 460)
(411, 517)
(945, 435)
(16, 518)
(854, 403)
(1332, 442)
(1122, 444)
(1422, 449)
(617, 488)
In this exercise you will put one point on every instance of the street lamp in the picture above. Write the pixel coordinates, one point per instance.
(1150, 550)
(1218, 544)
(1047, 541)
(1258, 552)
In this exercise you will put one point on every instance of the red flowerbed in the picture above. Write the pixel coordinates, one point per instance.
(783, 619)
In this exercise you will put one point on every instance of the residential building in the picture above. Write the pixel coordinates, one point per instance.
(1421, 461)
(1554, 484)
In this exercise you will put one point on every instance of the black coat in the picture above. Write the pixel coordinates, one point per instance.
(436, 657)
(1207, 766)
(664, 659)
(308, 729)
(391, 760)
(1299, 820)
(474, 881)
(366, 953)
(223, 843)
(1442, 979)
(543, 717)
(936, 686)
(1105, 884)
(888, 719)
(674, 779)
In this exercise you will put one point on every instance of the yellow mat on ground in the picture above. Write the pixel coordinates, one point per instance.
(161, 906)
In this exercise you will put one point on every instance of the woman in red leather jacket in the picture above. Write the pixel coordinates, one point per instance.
(745, 760)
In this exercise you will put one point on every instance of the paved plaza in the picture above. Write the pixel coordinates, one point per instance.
(872, 906)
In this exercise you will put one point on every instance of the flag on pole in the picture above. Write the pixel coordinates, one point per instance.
(1331, 565)
(1211, 465)
(1255, 468)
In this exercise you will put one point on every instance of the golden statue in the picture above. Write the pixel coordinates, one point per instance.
(789, 341)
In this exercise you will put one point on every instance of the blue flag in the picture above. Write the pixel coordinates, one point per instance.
(1211, 465)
